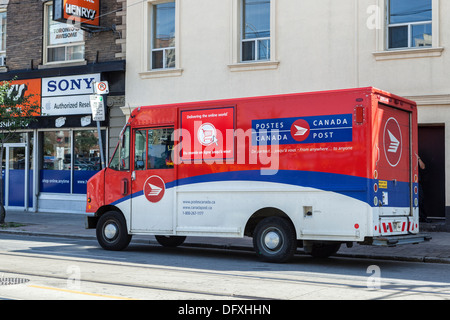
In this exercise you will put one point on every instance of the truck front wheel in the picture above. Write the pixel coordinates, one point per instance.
(274, 240)
(112, 231)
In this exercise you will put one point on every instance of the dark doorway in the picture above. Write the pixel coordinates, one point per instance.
(432, 152)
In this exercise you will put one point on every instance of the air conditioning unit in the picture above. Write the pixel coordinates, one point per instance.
(2, 61)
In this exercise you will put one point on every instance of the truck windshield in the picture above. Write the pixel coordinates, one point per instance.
(121, 158)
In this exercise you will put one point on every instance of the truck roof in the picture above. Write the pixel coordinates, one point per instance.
(389, 98)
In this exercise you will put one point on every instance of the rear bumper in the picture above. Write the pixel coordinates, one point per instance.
(391, 241)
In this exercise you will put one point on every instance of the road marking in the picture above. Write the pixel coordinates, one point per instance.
(79, 292)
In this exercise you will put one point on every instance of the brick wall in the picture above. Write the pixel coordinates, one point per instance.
(104, 42)
(24, 34)
(24, 44)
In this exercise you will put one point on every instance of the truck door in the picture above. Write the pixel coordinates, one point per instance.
(394, 160)
(152, 178)
(118, 174)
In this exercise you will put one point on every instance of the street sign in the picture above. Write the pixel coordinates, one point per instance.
(101, 87)
(97, 107)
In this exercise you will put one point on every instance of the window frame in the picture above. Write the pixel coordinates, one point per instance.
(383, 53)
(236, 64)
(46, 46)
(146, 71)
(409, 25)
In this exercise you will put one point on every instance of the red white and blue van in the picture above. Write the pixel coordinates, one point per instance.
(314, 169)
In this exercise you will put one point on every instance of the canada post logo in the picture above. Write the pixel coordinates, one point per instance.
(317, 129)
(392, 142)
(154, 189)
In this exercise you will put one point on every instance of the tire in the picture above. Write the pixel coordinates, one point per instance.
(170, 241)
(324, 250)
(112, 231)
(274, 240)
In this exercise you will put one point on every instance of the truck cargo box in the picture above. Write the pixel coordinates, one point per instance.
(316, 169)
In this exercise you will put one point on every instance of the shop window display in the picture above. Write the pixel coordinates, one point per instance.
(69, 160)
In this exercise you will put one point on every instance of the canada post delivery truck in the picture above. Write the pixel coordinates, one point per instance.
(315, 170)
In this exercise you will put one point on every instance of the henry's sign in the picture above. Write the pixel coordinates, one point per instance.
(67, 95)
(80, 11)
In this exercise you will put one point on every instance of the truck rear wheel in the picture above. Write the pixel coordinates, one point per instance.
(274, 240)
(170, 241)
(323, 250)
(112, 231)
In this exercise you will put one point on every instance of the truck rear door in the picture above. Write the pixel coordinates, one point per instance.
(394, 161)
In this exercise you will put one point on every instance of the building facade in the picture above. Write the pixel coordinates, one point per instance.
(46, 166)
(194, 50)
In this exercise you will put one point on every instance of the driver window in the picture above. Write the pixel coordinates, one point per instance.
(121, 158)
(140, 149)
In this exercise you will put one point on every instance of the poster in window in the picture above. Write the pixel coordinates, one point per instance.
(207, 134)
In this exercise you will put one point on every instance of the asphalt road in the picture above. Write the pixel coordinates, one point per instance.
(42, 268)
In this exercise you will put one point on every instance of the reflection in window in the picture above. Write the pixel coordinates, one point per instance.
(87, 151)
(255, 30)
(163, 44)
(410, 23)
(57, 150)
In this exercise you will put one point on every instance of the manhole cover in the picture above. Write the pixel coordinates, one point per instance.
(12, 281)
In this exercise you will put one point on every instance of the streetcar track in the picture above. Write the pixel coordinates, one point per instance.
(129, 285)
(147, 287)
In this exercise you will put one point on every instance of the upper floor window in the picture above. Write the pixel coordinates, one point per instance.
(409, 23)
(63, 42)
(255, 30)
(163, 36)
(2, 38)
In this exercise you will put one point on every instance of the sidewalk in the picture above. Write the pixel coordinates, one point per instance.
(73, 225)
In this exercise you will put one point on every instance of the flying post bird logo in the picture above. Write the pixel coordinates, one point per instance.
(154, 189)
(392, 142)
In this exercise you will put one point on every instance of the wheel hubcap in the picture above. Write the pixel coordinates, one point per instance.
(272, 240)
(110, 231)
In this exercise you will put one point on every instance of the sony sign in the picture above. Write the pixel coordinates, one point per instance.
(68, 95)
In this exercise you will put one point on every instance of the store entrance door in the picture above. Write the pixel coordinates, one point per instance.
(16, 176)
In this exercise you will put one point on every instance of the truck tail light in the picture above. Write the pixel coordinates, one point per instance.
(359, 115)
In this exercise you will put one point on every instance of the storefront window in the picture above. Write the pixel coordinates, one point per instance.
(70, 159)
(55, 176)
(87, 160)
